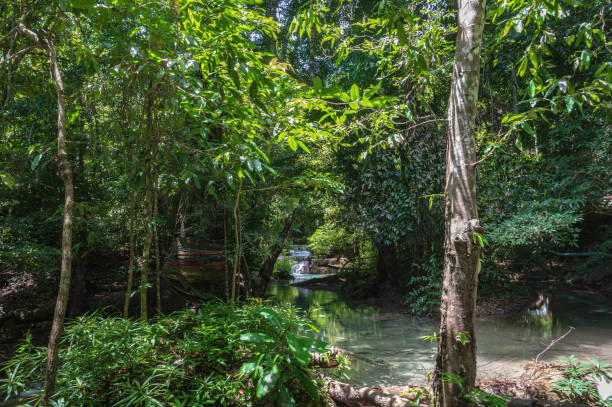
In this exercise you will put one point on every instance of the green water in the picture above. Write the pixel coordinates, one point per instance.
(388, 349)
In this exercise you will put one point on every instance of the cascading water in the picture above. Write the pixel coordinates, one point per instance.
(302, 256)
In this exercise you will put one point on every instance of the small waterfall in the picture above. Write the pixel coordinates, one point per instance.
(302, 256)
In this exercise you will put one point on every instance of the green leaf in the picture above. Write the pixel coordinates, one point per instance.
(354, 105)
(267, 381)
(401, 34)
(303, 146)
(36, 161)
(354, 92)
(292, 143)
(531, 88)
(272, 316)
(585, 59)
(256, 337)
(408, 114)
(527, 127)
(299, 349)
(522, 67)
(518, 142)
(318, 85)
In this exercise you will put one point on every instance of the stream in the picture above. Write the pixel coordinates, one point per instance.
(388, 349)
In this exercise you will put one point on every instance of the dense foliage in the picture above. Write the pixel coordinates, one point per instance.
(215, 355)
(242, 127)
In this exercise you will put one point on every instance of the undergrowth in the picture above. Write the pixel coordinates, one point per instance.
(218, 355)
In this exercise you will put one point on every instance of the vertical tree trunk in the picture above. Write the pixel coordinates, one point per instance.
(65, 173)
(156, 235)
(457, 347)
(130, 281)
(148, 218)
(225, 253)
(237, 241)
(134, 159)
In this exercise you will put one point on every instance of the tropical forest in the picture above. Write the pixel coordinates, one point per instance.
(326, 203)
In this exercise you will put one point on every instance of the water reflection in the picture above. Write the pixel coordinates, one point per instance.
(386, 347)
(388, 350)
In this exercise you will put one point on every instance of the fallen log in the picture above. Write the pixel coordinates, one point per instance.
(348, 395)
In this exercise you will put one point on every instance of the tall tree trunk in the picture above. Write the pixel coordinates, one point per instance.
(267, 268)
(457, 347)
(65, 173)
(156, 236)
(130, 281)
(134, 162)
(155, 228)
(225, 253)
(237, 242)
(148, 215)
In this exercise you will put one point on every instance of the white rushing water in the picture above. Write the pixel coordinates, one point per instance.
(302, 256)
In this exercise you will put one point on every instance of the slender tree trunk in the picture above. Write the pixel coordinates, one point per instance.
(457, 347)
(135, 153)
(225, 252)
(65, 173)
(237, 240)
(130, 281)
(156, 235)
(148, 215)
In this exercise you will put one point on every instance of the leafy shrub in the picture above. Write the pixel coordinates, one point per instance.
(334, 240)
(282, 269)
(209, 357)
(424, 289)
(578, 385)
(541, 226)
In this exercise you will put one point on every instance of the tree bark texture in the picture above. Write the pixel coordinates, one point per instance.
(156, 235)
(148, 215)
(236, 264)
(456, 359)
(155, 228)
(65, 173)
(130, 281)
(267, 268)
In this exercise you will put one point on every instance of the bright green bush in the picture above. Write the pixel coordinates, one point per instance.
(334, 240)
(539, 227)
(578, 384)
(282, 269)
(218, 355)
